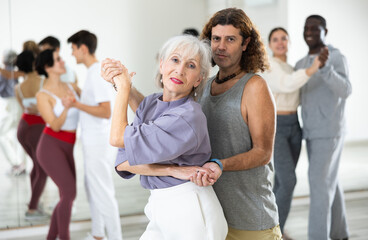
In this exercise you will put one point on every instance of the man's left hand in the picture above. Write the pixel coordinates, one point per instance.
(204, 180)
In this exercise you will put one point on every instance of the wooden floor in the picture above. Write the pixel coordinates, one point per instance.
(357, 216)
(133, 226)
(15, 192)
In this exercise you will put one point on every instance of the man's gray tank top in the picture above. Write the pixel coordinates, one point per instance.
(246, 196)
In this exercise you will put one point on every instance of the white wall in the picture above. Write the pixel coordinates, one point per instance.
(5, 39)
(268, 16)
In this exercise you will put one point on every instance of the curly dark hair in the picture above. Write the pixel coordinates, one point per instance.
(254, 58)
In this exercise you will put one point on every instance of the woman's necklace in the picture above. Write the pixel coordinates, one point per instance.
(219, 81)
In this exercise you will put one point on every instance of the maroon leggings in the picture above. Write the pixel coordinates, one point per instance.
(28, 135)
(56, 158)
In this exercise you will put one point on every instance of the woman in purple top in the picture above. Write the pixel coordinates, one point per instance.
(167, 142)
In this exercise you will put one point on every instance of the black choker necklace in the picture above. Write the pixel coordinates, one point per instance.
(219, 81)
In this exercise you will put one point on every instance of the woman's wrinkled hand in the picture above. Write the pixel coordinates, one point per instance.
(125, 78)
(188, 172)
(116, 73)
(214, 173)
(109, 69)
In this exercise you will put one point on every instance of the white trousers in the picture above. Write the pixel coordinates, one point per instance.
(184, 212)
(99, 159)
(10, 113)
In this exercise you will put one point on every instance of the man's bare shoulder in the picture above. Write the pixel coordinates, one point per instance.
(255, 84)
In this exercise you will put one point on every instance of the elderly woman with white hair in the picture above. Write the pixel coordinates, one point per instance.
(168, 142)
(10, 115)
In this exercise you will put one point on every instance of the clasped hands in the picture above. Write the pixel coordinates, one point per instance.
(202, 176)
(323, 56)
(69, 100)
(116, 73)
(206, 175)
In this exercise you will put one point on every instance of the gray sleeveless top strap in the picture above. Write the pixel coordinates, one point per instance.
(246, 196)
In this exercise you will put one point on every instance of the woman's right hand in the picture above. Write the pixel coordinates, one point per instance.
(125, 78)
(109, 69)
(116, 73)
(319, 62)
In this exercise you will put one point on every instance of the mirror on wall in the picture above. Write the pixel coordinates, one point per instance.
(15, 165)
(137, 44)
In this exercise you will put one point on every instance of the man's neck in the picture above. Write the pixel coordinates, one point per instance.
(90, 60)
(316, 49)
(224, 72)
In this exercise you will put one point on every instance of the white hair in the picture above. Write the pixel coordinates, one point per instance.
(191, 47)
(9, 57)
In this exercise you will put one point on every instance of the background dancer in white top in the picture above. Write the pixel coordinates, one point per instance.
(51, 42)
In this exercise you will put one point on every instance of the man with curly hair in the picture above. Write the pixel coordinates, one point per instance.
(241, 124)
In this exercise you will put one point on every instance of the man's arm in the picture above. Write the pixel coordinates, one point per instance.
(11, 74)
(103, 109)
(258, 111)
(335, 74)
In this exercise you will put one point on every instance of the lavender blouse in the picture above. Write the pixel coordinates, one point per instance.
(165, 133)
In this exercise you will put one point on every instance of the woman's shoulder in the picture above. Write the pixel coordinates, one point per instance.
(148, 100)
(190, 111)
(42, 95)
(151, 97)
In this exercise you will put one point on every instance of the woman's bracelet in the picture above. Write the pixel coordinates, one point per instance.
(116, 89)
